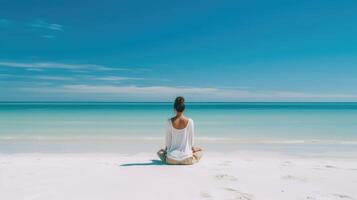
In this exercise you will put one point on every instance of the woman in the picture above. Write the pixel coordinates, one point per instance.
(179, 148)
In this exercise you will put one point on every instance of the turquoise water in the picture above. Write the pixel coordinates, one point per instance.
(213, 121)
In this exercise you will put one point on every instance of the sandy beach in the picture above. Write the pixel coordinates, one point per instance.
(237, 175)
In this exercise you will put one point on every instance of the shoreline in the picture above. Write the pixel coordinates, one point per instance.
(132, 147)
(236, 140)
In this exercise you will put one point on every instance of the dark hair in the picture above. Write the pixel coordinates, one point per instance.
(179, 104)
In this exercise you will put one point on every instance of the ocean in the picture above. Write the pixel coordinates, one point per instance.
(242, 122)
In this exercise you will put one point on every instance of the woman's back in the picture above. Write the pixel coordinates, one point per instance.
(180, 123)
(179, 140)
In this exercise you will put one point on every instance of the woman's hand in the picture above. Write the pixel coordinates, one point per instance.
(195, 149)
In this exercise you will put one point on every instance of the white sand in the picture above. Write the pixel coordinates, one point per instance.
(244, 175)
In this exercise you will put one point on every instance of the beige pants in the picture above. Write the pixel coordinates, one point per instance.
(188, 161)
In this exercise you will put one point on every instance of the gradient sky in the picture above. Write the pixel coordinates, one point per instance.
(154, 50)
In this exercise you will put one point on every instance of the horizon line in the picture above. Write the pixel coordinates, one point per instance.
(172, 102)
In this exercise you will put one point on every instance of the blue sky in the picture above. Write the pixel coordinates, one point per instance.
(154, 50)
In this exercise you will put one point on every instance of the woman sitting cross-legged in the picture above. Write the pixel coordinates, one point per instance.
(179, 139)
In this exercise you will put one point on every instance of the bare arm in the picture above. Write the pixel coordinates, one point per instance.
(194, 149)
(167, 135)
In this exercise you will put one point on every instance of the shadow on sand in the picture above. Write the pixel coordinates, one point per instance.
(153, 162)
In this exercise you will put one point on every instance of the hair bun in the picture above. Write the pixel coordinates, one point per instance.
(179, 104)
(180, 100)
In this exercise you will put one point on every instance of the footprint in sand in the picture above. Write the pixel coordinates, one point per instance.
(225, 163)
(342, 196)
(240, 195)
(330, 166)
(286, 163)
(205, 195)
(325, 167)
(225, 177)
(289, 177)
(310, 197)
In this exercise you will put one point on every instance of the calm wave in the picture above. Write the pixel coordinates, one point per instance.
(294, 122)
